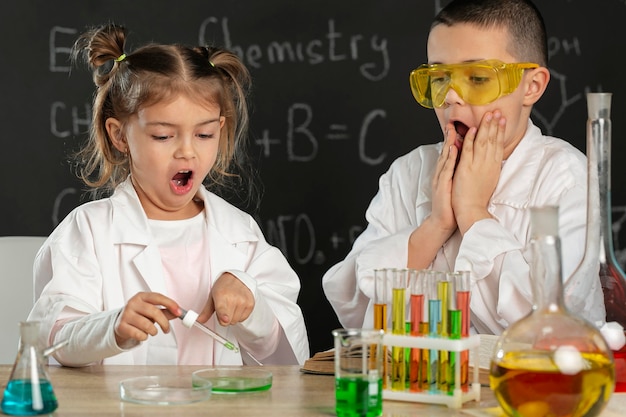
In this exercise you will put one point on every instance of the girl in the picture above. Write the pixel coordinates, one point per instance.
(166, 118)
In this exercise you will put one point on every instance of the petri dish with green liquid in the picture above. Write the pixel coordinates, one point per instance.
(234, 379)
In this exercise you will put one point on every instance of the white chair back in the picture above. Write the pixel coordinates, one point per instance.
(17, 254)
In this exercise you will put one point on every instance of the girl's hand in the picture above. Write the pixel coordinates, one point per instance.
(137, 319)
(230, 300)
(478, 171)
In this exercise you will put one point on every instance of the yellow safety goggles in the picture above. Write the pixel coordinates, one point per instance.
(477, 83)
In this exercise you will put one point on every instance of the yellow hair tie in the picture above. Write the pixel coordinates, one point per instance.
(120, 58)
(212, 64)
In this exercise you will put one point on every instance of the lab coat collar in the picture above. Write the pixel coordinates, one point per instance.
(226, 234)
(130, 222)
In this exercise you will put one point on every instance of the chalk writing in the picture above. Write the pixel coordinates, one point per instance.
(296, 237)
(60, 51)
(565, 46)
(331, 47)
(301, 237)
(565, 102)
(302, 144)
(338, 242)
(79, 124)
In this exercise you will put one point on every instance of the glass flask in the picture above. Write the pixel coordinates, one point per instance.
(551, 362)
(612, 276)
(29, 391)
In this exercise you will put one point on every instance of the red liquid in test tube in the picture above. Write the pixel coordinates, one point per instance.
(463, 304)
(416, 285)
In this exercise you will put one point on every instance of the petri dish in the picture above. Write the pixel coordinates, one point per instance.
(164, 390)
(234, 379)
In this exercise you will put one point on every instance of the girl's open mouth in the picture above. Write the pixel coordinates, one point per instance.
(182, 182)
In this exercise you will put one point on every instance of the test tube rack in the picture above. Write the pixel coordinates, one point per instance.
(458, 397)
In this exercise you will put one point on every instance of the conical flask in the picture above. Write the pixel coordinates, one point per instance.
(551, 362)
(29, 391)
(612, 277)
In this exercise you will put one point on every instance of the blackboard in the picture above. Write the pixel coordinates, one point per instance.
(331, 106)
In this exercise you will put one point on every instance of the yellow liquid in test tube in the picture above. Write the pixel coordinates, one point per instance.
(398, 316)
(443, 364)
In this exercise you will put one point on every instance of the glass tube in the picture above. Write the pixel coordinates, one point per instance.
(398, 318)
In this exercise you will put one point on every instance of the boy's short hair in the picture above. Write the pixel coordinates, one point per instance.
(525, 25)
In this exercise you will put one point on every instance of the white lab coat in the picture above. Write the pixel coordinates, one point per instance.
(103, 253)
(541, 171)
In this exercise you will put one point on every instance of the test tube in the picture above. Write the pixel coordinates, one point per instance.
(407, 325)
(416, 285)
(454, 320)
(434, 323)
(398, 318)
(462, 284)
(443, 292)
(380, 299)
(380, 313)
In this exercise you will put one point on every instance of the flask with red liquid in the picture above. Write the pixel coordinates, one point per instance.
(612, 277)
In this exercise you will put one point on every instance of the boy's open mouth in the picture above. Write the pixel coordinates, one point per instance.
(461, 130)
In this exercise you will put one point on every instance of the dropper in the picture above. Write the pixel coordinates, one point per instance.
(189, 319)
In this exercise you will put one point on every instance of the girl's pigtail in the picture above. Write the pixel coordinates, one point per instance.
(102, 48)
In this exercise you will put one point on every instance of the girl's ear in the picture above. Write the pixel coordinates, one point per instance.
(536, 83)
(114, 129)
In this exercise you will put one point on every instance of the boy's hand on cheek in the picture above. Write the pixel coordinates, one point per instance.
(442, 213)
(478, 171)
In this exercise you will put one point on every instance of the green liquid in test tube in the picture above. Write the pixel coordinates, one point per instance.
(444, 356)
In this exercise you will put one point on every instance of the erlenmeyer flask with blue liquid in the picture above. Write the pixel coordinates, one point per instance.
(29, 391)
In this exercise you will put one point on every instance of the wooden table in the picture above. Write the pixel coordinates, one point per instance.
(94, 391)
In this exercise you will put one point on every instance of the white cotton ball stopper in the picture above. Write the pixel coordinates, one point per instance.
(190, 318)
(569, 360)
(613, 333)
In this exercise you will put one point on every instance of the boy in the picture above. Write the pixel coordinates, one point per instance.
(462, 204)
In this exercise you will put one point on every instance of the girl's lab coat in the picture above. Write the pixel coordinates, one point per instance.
(103, 253)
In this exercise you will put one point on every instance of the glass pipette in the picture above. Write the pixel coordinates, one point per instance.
(189, 319)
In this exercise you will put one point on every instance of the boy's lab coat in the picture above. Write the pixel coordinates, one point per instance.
(541, 171)
(103, 253)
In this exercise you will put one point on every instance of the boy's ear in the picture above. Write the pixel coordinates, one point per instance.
(115, 131)
(536, 83)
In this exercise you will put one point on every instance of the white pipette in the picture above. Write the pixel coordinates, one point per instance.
(189, 318)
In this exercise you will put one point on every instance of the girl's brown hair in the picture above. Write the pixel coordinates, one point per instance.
(129, 81)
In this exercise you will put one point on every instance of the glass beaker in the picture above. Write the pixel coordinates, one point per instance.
(612, 276)
(29, 391)
(551, 362)
(358, 372)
